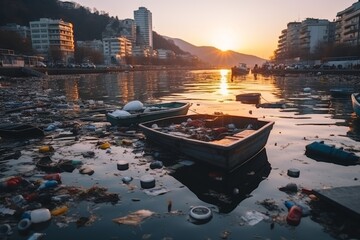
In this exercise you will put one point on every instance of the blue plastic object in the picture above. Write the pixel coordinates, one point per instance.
(329, 153)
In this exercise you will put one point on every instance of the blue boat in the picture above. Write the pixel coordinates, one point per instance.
(355, 100)
(329, 153)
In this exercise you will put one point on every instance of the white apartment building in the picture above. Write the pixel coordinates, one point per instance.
(314, 32)
(116, 49)
(143, 20)
(347, 25)
(50, 37)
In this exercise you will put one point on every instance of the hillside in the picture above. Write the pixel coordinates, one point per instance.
(215, 56)
(23, 11)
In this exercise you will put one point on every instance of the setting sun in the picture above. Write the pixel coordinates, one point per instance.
(224, 40)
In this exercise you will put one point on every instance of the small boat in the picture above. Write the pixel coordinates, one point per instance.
(223, 141)
(341, 92)
(251, 98)
(355, 99)
(20, 131)
(240, 69)
(147, 113)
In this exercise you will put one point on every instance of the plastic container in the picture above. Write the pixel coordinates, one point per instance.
(293, 172)
(105, 145)
(294, 216)
(147, 181)
(40, 215)
(200, 214)
(19, 200)
(45, 149)
(48, 184)
(11, 182)
(59, 210)
(122, 165)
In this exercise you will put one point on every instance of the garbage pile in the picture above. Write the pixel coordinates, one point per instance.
(198, 129)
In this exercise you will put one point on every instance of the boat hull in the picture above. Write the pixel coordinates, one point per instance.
(20, 131)
(355, 99)
(228, 153)
(173, 109)
(252, 98)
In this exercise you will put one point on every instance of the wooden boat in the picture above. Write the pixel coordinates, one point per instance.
(149, 112)
(224, 141)
(251, 98)
(240, 69)
(20, 131)
(355, 99)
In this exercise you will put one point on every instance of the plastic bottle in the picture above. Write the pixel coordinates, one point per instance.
(60, 198)
(294, 216)
(40, 215)
(36, 236)
(45, 149)
(48, 184)
(11, 182)
(53, 176)
(59, 210)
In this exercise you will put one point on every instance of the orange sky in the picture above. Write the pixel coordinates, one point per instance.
(246, 26)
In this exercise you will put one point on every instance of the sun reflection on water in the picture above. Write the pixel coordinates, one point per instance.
(223, 82)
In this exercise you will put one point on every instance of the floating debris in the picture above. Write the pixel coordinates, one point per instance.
(134, 218)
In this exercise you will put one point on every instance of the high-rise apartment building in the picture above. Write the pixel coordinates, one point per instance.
(348, 26)
(143, 20)
(53, 38)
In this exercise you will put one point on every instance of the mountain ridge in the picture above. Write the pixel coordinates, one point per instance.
(216, 56)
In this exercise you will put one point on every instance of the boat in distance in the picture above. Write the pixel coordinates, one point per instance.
(355, 100)
(148, 113)
(251, 98)
(240, 69)
(224, 141)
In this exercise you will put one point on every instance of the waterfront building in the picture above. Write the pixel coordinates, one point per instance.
(96, 45)
(116, 49)
(121, 28)
(23, 31)
(164, 54)
(289, 41)
(53, 39)
(143, 20)
(313, 33)
(141, 51)
(347, 25)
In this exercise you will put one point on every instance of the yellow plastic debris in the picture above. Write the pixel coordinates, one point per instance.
(44, 149)
(59, 210)
(105, 145)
